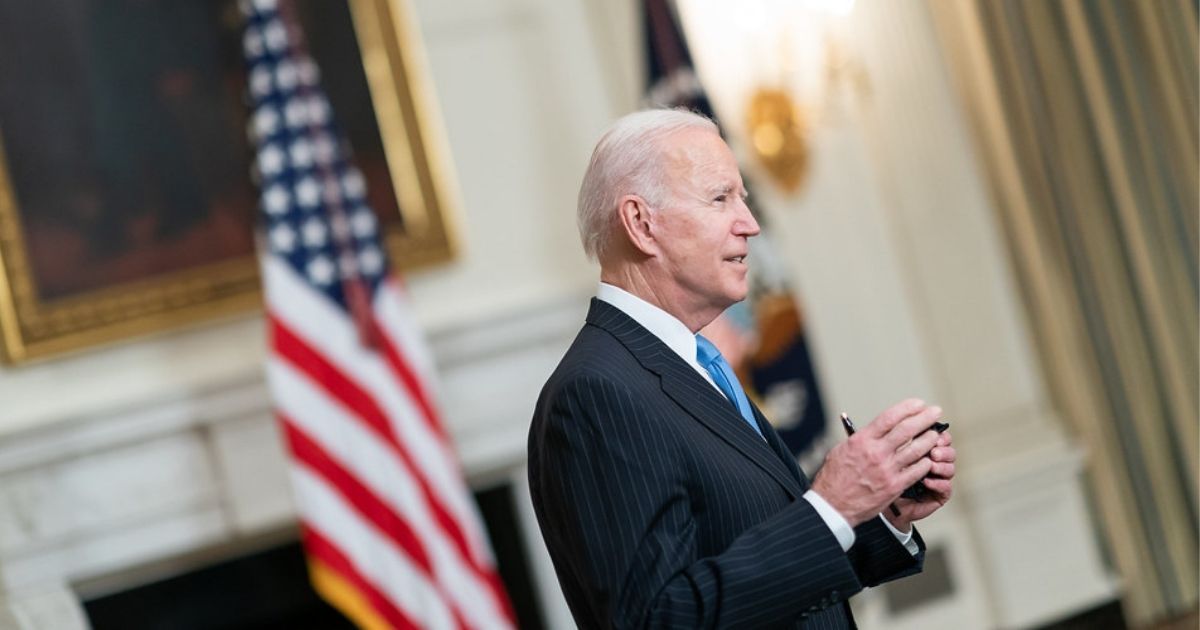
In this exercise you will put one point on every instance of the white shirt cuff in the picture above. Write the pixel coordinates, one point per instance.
(905, 538)
(834, 520)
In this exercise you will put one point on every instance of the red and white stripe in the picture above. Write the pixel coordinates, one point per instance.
(381, 496)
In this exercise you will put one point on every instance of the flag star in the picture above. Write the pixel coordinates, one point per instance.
(321, 270)
(301, 153)
(266, 121)
(339, 227)
(275, 35)
(353, 185)
(285, 76)
(370, 260)
(252, 42)
(260, 80)
(324, 149)
(283, 237)
(270, 160)
(318, 109)
(296, 113)
(309, 73)
(315, 234)
(308, 193)
(330, 191)
(362, 222)
(348, 265)
(275, 200)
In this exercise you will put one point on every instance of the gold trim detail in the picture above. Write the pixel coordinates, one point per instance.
(404, 106)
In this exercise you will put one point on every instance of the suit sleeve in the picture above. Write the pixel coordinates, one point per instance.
(878, 557)
(612, 494)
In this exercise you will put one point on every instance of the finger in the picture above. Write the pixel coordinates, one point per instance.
(893, 415)
(914, 473)
(913, 426)
(943, 454)
(943, 488)
(945, 439)
(920, 447)
(942, 469)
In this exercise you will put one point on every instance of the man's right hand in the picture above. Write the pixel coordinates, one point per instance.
(862, 475)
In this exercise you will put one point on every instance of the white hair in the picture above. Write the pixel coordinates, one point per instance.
(627, 161)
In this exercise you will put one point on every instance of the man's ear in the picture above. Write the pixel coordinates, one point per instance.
(637, 221)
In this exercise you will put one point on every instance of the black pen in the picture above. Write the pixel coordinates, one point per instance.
(849, 427)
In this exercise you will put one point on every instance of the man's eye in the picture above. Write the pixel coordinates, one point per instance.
(721, 198)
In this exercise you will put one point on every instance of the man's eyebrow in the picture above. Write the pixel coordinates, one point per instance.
(723, 189)
(728, 189)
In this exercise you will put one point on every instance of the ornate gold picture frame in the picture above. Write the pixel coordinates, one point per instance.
(126, 205)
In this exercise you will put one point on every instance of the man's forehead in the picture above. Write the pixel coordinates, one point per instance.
(706, 167)
(691, 139)
(698, 151)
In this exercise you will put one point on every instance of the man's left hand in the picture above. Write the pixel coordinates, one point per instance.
(938, 487)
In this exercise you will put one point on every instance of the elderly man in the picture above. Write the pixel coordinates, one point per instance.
(665, 497)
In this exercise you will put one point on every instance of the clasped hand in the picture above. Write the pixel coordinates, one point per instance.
(867, 472)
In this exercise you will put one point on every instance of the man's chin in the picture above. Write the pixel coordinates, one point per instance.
(740, 294)
(732, 299)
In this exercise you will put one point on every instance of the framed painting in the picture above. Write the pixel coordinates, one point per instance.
(127, 204)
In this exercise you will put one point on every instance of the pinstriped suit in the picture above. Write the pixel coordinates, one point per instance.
(662, 508)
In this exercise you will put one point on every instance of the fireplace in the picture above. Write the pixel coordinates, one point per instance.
(266, 586)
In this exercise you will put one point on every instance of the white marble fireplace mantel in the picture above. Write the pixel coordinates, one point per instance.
(95, 498)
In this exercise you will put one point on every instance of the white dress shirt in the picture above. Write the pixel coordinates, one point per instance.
(682, 341)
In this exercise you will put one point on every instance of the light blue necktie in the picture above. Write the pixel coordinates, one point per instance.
(711, 360)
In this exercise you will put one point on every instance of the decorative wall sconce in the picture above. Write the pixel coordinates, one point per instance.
(778, 67)
(779, 136)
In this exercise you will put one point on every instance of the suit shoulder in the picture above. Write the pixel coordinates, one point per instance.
(596, 376)
(595, 357)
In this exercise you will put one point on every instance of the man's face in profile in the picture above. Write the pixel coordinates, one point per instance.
(704, 226)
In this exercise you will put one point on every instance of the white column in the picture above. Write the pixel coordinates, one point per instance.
(554, 606)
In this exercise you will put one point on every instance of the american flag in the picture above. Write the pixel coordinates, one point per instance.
(391, 531)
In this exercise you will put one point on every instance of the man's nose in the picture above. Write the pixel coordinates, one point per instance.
(747, 225)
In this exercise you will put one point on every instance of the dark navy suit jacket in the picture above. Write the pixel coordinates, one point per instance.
(661, 507)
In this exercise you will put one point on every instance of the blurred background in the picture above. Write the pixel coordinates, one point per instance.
(990, 205)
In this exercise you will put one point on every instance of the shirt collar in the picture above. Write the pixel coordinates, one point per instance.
(660, 323)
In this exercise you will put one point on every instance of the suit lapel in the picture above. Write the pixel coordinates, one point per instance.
(781, 449)
(691, 392)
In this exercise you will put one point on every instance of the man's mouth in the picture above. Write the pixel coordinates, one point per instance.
(737, 259)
